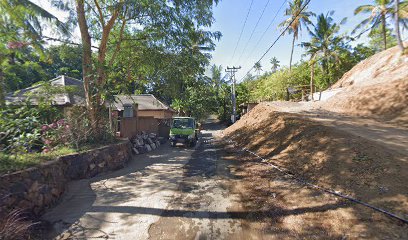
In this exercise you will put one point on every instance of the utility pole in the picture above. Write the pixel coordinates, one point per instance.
(232, 71)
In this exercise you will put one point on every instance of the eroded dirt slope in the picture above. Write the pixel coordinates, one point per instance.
(376, 87)
(326, 156)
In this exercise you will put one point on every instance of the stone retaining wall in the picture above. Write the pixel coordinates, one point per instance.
(37, 188)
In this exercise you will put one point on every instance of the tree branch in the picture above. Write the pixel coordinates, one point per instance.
(117, 49)
(65, 41)
(98, 7)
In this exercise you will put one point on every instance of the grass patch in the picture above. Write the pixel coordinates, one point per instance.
(13, 162)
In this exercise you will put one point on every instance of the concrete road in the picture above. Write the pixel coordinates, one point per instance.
(171, 193)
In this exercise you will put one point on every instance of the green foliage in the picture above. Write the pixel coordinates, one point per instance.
(10, 163)
(376, 39)
(63, 60)
(224, 110)
(20, 129)
(273, 87)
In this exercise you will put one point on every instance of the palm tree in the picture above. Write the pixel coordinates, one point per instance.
(275, 64)
(379, 12)
(324, 44)
(258, 67)
(397, 24)
(297, 17)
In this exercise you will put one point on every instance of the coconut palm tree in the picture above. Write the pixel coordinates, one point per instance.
(275, 64)
(379, 11)
(324, 43)
(397, 22)
(297, 17)
(258, 67)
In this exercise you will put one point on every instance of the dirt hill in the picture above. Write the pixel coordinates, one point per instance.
(328, 157)
(327, 142)
(376, 87)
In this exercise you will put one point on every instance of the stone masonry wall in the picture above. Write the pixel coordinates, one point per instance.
(35, 189)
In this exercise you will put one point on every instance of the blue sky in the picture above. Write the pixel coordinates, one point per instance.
(229, 19)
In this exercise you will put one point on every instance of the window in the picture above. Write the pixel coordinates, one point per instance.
(128, 111)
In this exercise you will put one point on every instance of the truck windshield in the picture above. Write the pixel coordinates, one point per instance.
(183, 123)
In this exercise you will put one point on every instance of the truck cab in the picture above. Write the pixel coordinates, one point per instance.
(183, 130)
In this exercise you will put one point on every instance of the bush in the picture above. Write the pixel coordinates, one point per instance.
(19, 130)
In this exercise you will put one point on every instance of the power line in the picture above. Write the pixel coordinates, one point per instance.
(253, 30)
(269, 26)
(280, 35)
(242, 30)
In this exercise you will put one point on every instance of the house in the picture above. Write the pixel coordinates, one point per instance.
(72, 94)
(131, 114)
(152, 115)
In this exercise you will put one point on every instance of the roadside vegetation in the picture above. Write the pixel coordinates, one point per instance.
(329, 53)
(163, 48)
(166, 56)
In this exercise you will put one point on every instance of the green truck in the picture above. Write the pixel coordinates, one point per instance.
(184, 130)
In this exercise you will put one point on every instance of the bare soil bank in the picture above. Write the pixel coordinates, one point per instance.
(330, 158)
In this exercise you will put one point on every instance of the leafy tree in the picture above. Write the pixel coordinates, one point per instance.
(174, 25)
(379, 11)
(216, 79)
(299, 17)
(63, 59)
(275, 64)
(224, 98)
(21, 26)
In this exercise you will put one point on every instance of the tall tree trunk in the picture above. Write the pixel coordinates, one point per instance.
(291, 54)
(87, 71)
(397, 27)
(384, 30)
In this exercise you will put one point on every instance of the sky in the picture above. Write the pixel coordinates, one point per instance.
(229, 20)
(230, 17)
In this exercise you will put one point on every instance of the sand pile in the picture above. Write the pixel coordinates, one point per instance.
(324, 155)
(377, 87)
(383, 67)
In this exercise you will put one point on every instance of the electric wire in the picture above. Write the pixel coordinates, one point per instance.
(253, 30)
(242, 30)
(269, 26)
(277, 39)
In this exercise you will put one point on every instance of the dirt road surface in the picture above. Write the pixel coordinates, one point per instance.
(175, 189)
(390, 136)
(210, 192)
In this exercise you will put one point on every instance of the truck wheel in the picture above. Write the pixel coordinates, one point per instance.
(193, 143)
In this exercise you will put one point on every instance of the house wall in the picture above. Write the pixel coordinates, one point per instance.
(160, 114)
(148, 124)
(129, 126)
